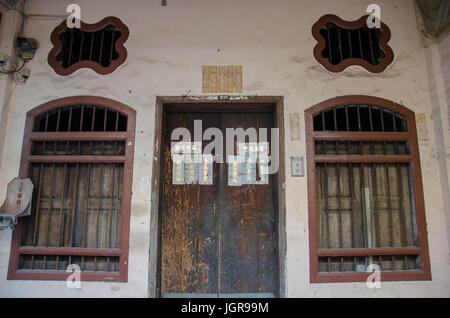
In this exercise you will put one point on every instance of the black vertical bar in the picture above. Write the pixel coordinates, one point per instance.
(382, 120)
(323, 121)
(350, 45)
(82, 117)
(324, 143)
(80, 55)
(69, 128)
(340, 44)
(116, 129)
(382, 129)
(371, 47)
(360, 44)
(92, 46)
(58, 120)
(395, 130)
(335, 128)
(347, 122)
(359, 129)
(112, 46)
(105, 118)
(46, 121)
(44, 146)
(58, 117)
(69, 62)
(101, 47)
(370, 118)
(93, 118)
(329, 46)
(347, 126)
(372, 143)
(92, 128)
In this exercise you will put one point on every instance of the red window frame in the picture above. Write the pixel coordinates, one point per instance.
(350, 25)
(85, 27)
(26, 158)
(413, 159)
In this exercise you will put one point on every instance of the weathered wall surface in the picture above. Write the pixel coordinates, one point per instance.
(272, 40)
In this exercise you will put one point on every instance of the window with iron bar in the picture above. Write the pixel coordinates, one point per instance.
(365, 191)
(98, 46)
(341, 44)
(78, 152)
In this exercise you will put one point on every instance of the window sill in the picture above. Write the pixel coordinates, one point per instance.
(353, 277)
(62, 275)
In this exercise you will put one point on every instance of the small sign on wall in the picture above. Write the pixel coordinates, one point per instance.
(297, 167)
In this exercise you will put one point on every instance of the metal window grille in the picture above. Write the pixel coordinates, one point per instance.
(365, 191)
(98, 46)
(79, 158)
(343, 43)
(79, 45)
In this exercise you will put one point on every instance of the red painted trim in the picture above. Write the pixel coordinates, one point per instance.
(321, 44)
(362, 277)
(119, 46)
(414, 158)
(321, 252)
(368, 136)
(68, 251)
(365, 158)
(58, 275)
(13, 272)
(76, 158)
(94, 135)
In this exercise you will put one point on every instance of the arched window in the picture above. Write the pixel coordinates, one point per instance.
(365, 191)
(78, 152)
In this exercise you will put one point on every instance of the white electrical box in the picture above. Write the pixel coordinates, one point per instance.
(297, 167)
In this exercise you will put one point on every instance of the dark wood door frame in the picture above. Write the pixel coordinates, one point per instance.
(259, 103)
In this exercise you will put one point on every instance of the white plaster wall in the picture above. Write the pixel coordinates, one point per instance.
(272, 40)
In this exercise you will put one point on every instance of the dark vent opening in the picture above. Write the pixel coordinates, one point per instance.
(360, 118)
(98, 46)
(342, 44)
(80, 118)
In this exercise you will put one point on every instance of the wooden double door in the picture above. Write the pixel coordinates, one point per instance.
(217, 240)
